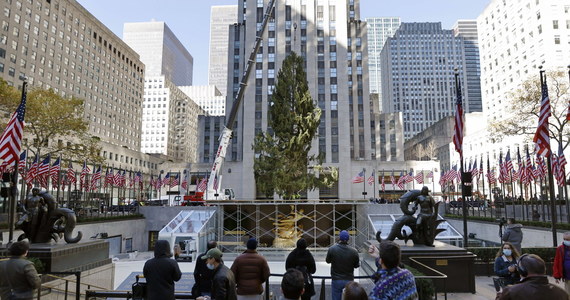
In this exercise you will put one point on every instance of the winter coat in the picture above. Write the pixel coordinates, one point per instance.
(343, 259)
(202, 276)
(558, 271)
(502, 265)
(251, 271)
(23, 277)
(161, 272)
(223, 284)
(533, 288)
(514, 235)
(303, 259)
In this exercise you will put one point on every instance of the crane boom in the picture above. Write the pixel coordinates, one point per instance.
(215, 180)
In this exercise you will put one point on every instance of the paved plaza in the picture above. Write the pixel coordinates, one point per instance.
(126, 269)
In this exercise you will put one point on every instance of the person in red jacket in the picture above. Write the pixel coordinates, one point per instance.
(561, 267)
(251, 271)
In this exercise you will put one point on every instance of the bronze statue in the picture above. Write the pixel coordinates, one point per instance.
(424, 226)
(288, 231)
(43, 221)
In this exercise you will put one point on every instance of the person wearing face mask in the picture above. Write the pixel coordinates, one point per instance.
(223, 281)
(506, 264)
(203, 275)
(561, 266)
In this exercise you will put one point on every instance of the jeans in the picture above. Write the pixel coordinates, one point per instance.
(336, 287)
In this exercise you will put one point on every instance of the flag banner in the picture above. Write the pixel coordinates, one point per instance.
(70, 174)
(11, 139)
(359, 178)
(459, 119)
(419, 178)
(382, 184)
(371, 178)
(542, 137)
(402, 180)
(22, 164)
(184, 183)
(201, 187)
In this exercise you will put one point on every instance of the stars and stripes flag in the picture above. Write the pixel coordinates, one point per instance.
(555, 165)
(174, 180)
(54, 173)
(184, 183)
(430, 174)
(84, 172)
(22, 163)
(382, 183)
(11, 139)
(371, 178)
(541, 168)
(561, 172)
(95, 179)
(201, 187)
(138, 178)
(216, 183)
(131, 179)
(541, 137)
(109, 177)
(451, 175)
(151, 182)
(123, 179)
(409, 177)
(393, 180)
(158, 182)
(490, 173)
(481, 171)
(508, 163)
(502, 169)
(528, 174)
(71, 174)
(474, 169)
(518, 175)
(419, 177)
(43, 168)
(359, 178)
(117, 178)
(166, 180)
(442, 178)
(459, 119)
(402, 180)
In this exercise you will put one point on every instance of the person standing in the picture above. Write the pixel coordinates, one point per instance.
(343, 259)
(251, 271)
(534, 285)
(202, 275)
(506, 264)
(561, 266)
(17, 274)
(161, 272)
(513, 234)
(223, 280)
(302, 259)
(393, 282)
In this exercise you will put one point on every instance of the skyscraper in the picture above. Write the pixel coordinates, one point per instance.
(332, 40)
(160, 50)
(379, 29)
(221, 17)
(467, 29)
(418, 75)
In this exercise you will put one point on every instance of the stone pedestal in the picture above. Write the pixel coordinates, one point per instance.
(69, 257)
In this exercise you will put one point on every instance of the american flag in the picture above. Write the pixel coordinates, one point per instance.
(371, 178)
(520, 172)
(84, 172)
(430, 174)
(95, 179)
(541, 137)
(459, 119)
(71, 174)
(184, 183)
(166, 180)
(402, 180)
(131, 179)
(202, 185)
(410, 177)
(109, 178)
(508, 163)
(22, 163)
(451, 175)
(158, 182)
(117, 178)
(502, 170)
(43, 168)
(382, 184)
(554, 161)
(393, 180)
(174, 181)
(541, 168)
(151, 182)
(11, 140)
(359, 178)
(561, 174)
(216, 183)
(138, 177)
(54, 172)
(123, 179)
(419, 178)
(528, 174)
(474, 170)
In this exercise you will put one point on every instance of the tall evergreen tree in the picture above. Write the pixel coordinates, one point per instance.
(282, 160)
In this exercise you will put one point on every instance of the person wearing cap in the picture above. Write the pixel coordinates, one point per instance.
(223, 280)
(18, 274)
(202, 275)
(161, 272)
(251, 271)
(343, 259)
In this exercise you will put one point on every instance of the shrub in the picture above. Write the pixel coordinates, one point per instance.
(425, 286)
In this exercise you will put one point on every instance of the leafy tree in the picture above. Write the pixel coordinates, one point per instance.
(54, 124)
(283, 164)
(525, 108)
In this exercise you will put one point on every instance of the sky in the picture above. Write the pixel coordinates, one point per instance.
(190, 19)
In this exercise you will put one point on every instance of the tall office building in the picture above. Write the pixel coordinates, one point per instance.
(515, 38)
(160, 50)
(170, 117)
(379, 30)
(221, 17)
(208, 97)
(418, 75)
(60, 45)
(332, 40)
(467, 29)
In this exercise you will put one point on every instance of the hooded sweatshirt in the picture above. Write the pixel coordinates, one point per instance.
(161, 272)
(514, 235)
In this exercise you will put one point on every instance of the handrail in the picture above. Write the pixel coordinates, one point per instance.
(77, 282)
(127, 294)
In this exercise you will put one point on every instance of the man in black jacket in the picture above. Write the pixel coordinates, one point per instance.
(203, 275)
(161, 272)
(223, 282)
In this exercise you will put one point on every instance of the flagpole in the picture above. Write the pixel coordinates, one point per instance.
(364, 183)
(375, 176)
(459, 127)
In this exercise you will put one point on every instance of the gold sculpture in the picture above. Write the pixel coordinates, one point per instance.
(287, 231)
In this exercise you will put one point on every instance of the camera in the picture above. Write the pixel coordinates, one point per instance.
(502, 221)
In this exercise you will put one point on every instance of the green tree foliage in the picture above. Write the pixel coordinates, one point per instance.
(54, 124)
(525, 107)
(283, 164)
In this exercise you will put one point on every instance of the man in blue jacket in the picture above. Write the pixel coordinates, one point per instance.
(343, 259)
